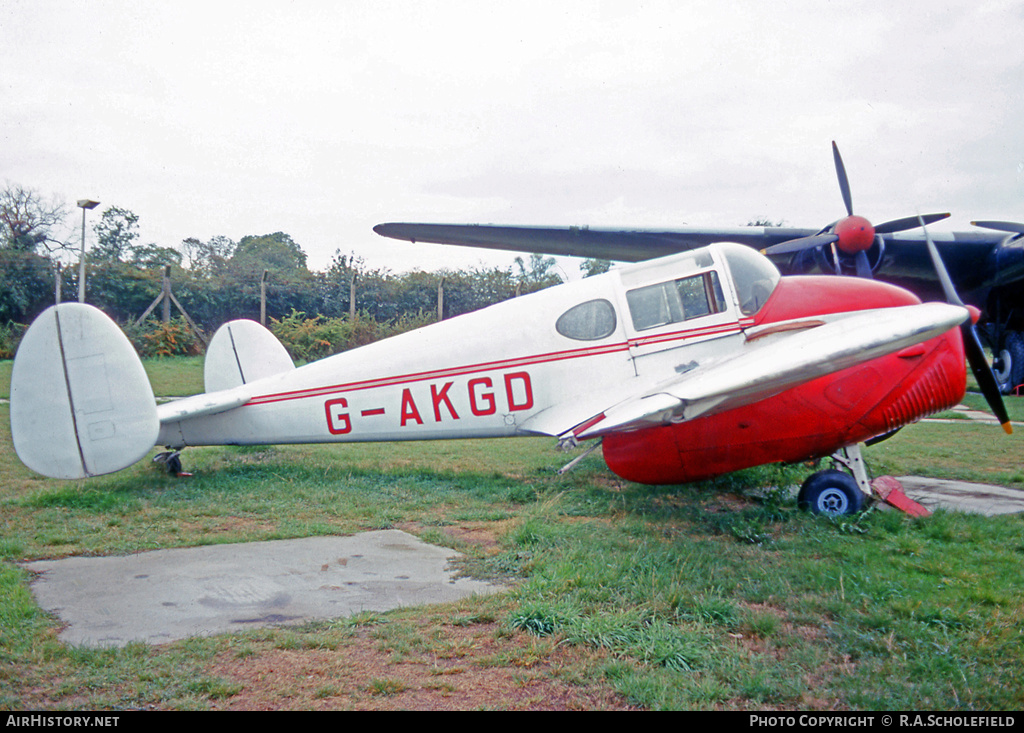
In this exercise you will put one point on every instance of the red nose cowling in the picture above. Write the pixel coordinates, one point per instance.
(814, 419)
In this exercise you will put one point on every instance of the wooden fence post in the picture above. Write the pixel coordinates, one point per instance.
(263, 299)
(167, 298)
(165, 293)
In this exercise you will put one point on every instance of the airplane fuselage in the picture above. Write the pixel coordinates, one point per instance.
(546, 364)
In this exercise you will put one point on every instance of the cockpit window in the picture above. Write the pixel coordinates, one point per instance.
(588, 321)
(675, 301)
(753, 275)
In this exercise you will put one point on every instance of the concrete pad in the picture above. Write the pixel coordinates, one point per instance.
(963, 496)
(165, 595)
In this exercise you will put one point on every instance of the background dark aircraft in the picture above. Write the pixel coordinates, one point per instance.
(986, 265)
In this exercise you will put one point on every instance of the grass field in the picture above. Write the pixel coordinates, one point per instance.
(623, 596)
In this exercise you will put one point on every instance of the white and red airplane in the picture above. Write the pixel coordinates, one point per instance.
(687, 366)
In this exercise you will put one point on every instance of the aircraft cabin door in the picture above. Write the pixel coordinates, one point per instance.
(677, 322)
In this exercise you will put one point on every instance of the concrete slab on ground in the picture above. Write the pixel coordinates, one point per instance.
(963, 496)
(165, 595)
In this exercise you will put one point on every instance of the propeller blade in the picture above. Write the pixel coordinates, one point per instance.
(983, 374)
(948, 289)
(796, 245)
(1001, 226)
(844, 182)
(972, 345)
(863, 267)
(910, 222)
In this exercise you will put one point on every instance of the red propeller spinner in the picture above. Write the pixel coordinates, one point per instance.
(854, 235)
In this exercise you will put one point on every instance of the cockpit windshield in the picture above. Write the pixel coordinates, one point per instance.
(753, 276)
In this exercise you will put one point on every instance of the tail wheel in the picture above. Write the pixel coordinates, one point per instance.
(831, 492)
(174, 465)
(172, 462)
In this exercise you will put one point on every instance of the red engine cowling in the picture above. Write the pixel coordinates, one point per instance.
(809, 421)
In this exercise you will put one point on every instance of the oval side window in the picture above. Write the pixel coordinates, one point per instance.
(588, 321)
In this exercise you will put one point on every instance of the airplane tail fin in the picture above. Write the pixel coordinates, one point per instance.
(241, 352)
(81, 403)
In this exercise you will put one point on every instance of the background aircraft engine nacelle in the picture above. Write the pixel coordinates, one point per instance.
(1007, 262)
(823, 259)
(804, 423)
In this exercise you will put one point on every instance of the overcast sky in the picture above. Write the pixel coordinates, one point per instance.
(321, 119)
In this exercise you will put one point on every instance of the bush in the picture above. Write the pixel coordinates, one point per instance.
(174, 338)
(10, 337)
(309, 339)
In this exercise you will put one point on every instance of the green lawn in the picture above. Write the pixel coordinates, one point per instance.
(691, 597)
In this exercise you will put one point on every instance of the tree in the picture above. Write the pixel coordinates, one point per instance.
(26, 285)
(120, 289)
(116, 232)
(276, 252)
(27, 221)
(540, 274)
(28, 237)
(210, 257)
(289, 284)
(592, 266)
(149, 256)
(478, 288)
(335, 284)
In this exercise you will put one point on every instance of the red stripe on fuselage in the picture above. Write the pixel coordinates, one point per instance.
(719, 330)
(554, 356)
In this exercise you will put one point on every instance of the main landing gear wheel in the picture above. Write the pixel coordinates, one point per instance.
(1009, 362)
(831, 492)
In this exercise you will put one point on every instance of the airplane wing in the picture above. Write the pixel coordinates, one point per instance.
(625, 245)
(906, 259)
(769, 366)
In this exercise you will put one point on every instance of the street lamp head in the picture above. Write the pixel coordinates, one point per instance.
(87, 204)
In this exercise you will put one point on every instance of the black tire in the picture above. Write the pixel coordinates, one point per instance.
(174, 464)
(830, 492)
(1010, 362)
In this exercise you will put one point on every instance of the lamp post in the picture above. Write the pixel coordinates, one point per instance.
(83, 204)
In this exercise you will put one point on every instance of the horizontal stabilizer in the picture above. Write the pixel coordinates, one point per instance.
(81, 403)
(208, 403)
(242, 352)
